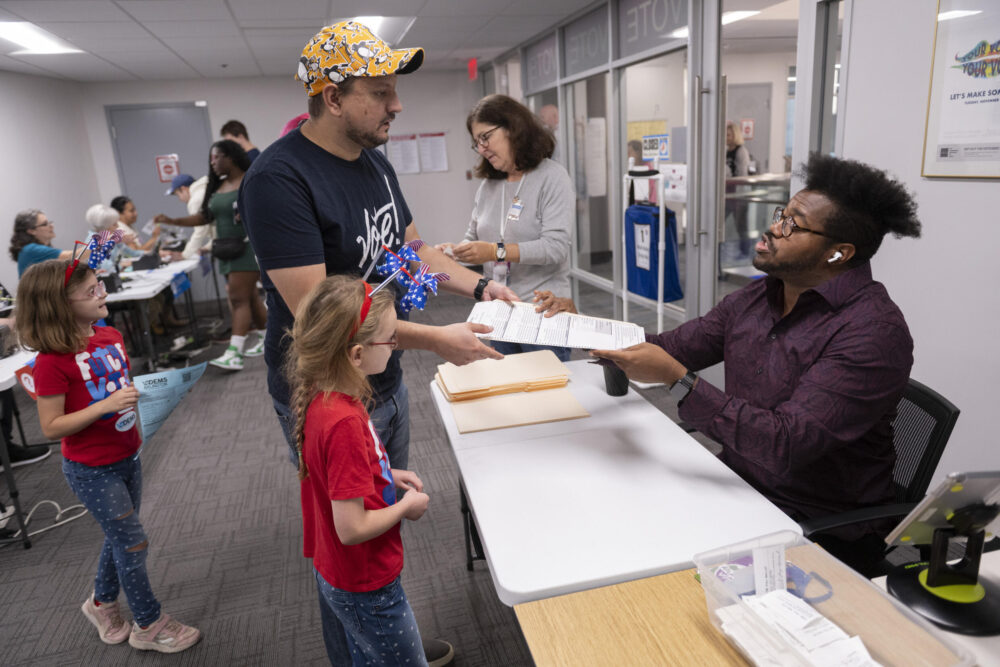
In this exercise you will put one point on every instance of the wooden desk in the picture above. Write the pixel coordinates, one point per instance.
(657, 621)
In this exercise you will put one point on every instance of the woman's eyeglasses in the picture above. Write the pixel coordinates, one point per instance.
(483, 140)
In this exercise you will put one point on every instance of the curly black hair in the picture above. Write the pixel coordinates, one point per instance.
(868, 204)
(532, 142)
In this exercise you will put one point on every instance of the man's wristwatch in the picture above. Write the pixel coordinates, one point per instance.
(480, 287)
(501, 252)
(683, 387)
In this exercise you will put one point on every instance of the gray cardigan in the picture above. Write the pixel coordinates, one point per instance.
(542, 232)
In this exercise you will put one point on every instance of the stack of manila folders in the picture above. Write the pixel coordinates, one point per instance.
(520, 389)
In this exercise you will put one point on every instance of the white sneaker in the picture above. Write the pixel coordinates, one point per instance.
(231, 360)
(256, 350)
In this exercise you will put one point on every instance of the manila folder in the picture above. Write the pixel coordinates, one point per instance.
(536, 407)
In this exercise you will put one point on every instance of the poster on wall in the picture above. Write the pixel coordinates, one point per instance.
(962, 134)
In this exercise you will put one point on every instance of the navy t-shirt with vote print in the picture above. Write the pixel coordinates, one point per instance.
(301, 206)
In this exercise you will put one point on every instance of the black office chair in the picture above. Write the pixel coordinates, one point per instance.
(923, 424)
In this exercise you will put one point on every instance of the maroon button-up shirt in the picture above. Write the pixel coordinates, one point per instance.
(806, 414)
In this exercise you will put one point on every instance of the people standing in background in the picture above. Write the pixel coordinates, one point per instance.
(737, 166)
(127, 215)
(31, 241)
(236, 131)
(227, 165)
(191, 192)
(523, 211)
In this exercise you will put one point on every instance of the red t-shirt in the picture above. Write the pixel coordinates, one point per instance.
(85, 378)
(346, 459)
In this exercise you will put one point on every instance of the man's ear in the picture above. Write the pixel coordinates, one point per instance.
(846, 251)
(354, 355)
(331, 98)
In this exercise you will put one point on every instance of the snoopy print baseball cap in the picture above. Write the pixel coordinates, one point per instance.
(348, 49)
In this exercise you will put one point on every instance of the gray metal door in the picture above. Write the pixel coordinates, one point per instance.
(142, 132)
(752, 101)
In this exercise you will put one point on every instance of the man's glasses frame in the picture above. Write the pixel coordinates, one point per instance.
(787, 225)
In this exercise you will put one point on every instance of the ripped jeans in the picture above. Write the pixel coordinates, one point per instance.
(112, 494)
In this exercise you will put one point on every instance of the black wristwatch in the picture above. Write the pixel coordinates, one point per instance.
(683, 387)
(480, 287)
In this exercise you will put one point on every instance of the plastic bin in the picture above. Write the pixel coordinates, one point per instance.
(892, 634)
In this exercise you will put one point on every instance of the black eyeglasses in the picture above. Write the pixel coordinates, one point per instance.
(788, 226)
(483, 140)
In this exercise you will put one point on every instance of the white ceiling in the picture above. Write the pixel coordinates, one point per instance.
(127, 40)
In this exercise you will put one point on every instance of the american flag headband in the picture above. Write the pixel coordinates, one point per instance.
(99, 245)
(417, 286)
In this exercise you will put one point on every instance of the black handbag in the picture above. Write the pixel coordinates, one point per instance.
(228, 248)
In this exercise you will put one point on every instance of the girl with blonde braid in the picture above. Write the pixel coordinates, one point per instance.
(350, 512)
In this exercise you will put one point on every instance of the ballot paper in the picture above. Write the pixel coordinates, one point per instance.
(519, 323)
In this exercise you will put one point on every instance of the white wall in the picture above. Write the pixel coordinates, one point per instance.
(46, 160)
(945, 282)
(432, 101)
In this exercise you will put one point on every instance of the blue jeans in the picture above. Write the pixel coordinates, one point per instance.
(112, 494)
(503, 347)
(376, 628)
(391, 419)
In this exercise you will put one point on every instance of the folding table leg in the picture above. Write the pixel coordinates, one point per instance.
(473, 545)
(8, 395)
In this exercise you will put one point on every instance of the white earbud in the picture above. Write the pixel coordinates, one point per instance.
(837, 255)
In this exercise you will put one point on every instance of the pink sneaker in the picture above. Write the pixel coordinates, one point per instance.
(108, 620)
(164, 635)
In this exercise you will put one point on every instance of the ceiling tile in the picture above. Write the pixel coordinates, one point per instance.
(9, 64)
(469, 8)
(152, 65)
(263, 10)
(310, 25)
(557, 8)
(210, 66)
(100, 37)
(37, 11)
(444, 32)
(220, 44)
(176, 10)
(78, 66)
(206, 30)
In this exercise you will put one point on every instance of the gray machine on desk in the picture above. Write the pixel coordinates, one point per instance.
(951, 596)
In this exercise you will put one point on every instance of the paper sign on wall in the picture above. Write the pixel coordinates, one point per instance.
(168, 166)
(656, 146)
(746, 127)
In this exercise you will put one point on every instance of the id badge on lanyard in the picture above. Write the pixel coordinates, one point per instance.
(501, 270)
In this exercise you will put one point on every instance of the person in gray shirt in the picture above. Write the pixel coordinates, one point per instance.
(524, 209)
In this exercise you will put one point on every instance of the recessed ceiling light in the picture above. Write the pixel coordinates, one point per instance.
(727, 18)
(958, 13)
(33, 39)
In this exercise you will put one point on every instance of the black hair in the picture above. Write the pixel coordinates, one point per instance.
(531, 141)
(119, 203)
(868, 204)
(237, 155)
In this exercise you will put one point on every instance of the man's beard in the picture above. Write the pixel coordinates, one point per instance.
(779, 269)
(366, 139)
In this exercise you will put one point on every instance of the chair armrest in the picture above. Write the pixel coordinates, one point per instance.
(825, 523)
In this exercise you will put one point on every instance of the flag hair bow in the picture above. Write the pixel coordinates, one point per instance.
(417, 286)
(101, 244)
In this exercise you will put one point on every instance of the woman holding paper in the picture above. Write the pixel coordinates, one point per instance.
(523, 211)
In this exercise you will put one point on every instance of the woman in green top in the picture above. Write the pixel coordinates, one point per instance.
(228, 162)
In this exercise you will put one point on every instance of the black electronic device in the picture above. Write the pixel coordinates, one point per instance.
(951, 595)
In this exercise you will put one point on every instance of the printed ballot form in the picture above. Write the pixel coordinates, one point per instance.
(519, 323)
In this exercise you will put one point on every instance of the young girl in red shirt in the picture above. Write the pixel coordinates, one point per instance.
(86, 398)
(350, 511)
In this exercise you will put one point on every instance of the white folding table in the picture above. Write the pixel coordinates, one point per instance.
(623, 494)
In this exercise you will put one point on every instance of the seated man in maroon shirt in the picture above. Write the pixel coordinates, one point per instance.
(817, 356)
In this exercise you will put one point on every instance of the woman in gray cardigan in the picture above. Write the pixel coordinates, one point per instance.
(524, 210)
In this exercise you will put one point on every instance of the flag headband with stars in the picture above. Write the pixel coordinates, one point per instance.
(100, 246)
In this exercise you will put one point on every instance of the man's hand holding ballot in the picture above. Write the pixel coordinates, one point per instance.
(645, 362)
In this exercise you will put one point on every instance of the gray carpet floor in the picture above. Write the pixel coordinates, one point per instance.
(221, 508)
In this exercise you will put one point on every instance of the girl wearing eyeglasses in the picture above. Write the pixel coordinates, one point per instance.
(86, 398)
(350, 512)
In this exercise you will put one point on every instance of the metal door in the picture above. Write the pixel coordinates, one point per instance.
(752, 102)
(142, 132)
